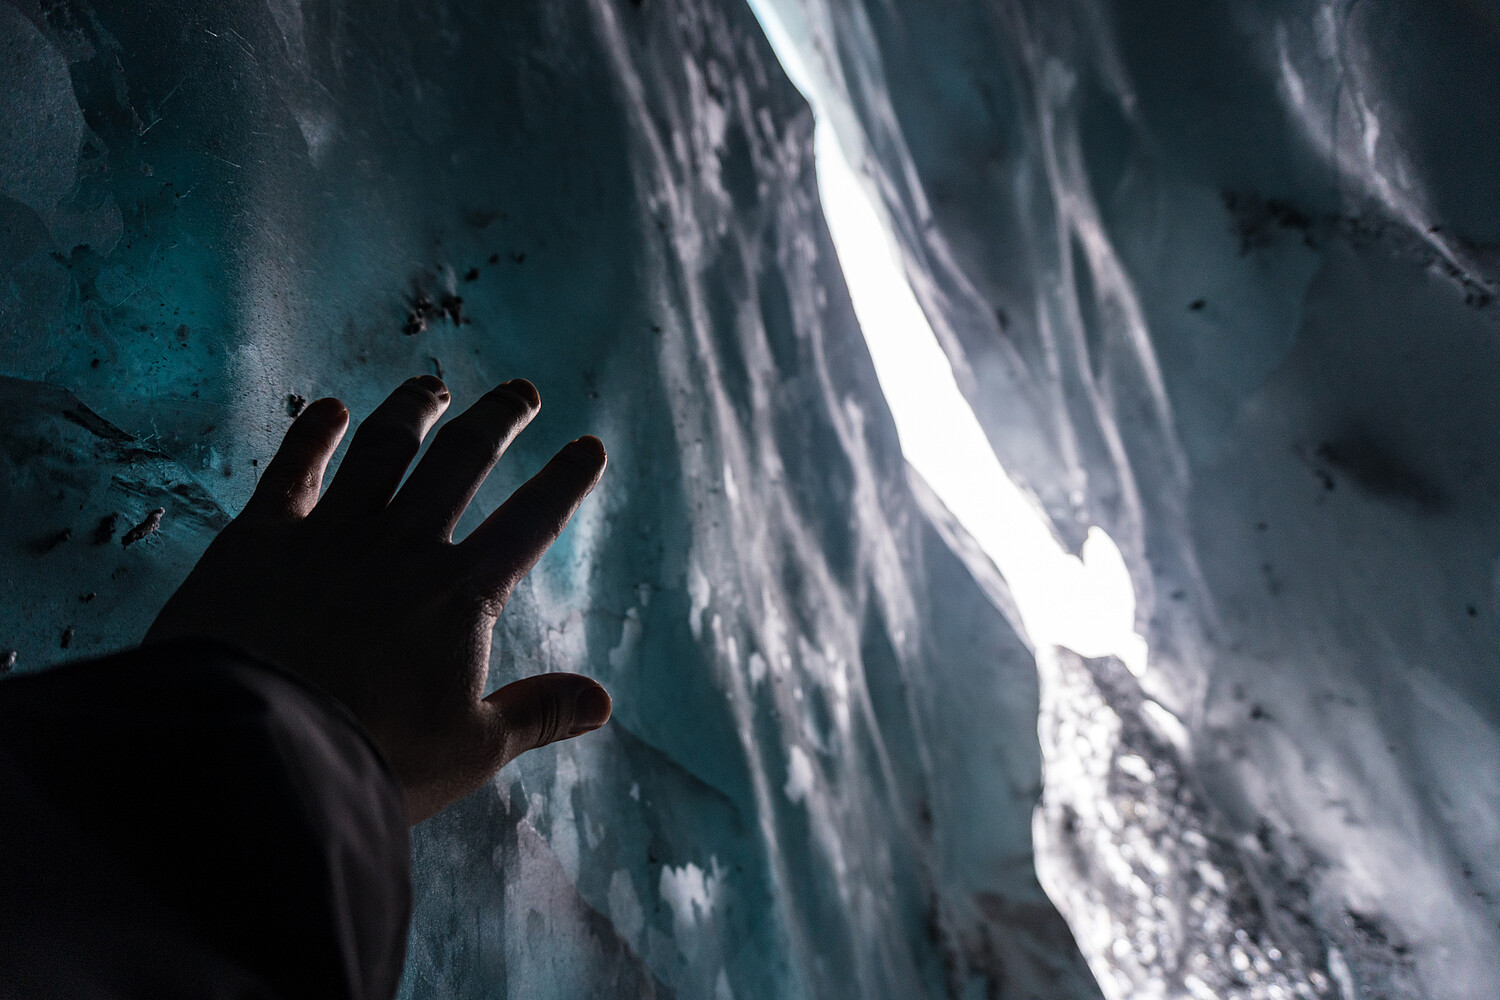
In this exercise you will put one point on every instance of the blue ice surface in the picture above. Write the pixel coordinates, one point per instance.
(820, 777)
(1216, 276)
(1220, 277)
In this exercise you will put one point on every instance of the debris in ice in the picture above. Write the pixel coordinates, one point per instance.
(145, 528)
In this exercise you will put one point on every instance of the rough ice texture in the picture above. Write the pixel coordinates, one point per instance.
(820, 776)
(1220, 277)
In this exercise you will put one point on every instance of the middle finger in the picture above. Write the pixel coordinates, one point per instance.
(461, 456)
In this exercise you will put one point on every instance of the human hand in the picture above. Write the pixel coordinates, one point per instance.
(364, 593)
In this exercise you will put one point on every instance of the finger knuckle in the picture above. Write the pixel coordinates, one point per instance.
(504, 408)
(473, 439)
(549, 721)
(389, 433)
(418, 392)
(547, 504)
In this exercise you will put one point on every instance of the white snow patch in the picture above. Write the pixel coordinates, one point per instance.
(700, 592)
(690, 892)
(799, 775)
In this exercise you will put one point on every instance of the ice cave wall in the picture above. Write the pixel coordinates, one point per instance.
(1220, 278)
(821, 773)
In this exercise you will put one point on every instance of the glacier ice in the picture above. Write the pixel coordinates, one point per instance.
(1216, 278)
(1219, 278)
(823, 765)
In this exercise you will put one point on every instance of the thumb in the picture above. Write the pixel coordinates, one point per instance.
(539, 710)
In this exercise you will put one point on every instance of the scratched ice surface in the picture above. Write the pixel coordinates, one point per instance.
(1220, 278)
(821, 773)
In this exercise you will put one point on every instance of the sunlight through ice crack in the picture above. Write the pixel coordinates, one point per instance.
(1084, 604)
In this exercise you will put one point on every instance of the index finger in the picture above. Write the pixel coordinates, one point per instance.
(289, 487)
(513, 538)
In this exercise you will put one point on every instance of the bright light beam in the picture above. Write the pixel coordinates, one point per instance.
(1086, 605)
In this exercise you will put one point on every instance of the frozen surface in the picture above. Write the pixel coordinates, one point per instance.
(822, 770)
(1219, 278)
(1216, 277)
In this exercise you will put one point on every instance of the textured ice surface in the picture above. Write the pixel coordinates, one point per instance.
(1219, 277)
(820, 777)
(1215, 276)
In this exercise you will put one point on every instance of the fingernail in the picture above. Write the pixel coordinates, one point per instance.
(591, 709)
(434, 385)
(589, 443)
(521, 387)
(335, 407)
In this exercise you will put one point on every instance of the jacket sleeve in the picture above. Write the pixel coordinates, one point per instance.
(181, 820)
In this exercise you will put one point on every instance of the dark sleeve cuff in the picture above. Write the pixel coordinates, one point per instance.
(225, 804)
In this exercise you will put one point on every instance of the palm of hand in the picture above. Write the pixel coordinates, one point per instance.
(364, 593)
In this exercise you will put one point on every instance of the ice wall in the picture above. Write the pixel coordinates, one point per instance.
(821, 772)
(1220, 278)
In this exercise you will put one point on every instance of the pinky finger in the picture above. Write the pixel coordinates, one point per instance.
(513, 538)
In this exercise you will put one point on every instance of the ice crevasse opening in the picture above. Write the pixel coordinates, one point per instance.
(1084, 603)
(1186, 352)
(1185, 319)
